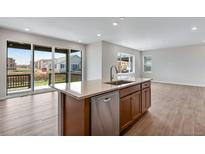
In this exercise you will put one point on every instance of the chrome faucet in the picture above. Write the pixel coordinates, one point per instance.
(111, 75)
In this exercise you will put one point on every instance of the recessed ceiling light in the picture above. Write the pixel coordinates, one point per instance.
(194, 28)
(122, 18)
(98, 35)
(27, 29)
(114, 23)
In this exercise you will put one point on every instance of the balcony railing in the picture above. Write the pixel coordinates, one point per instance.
(64, 77)
(76, 76)
(24, 80)
(59, 78)
(19, 81)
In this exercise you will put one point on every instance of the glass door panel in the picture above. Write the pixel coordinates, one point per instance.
(61, 65)
(19, 68)
(42, 67)
(75, 65)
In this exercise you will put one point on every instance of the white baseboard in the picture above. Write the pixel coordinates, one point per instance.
(179, 83)
(2, 98)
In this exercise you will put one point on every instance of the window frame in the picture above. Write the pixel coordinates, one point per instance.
(130, 55)
(144, 63)
(7, 56)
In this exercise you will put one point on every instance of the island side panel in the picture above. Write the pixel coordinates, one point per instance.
(61, 98)
(75, 116)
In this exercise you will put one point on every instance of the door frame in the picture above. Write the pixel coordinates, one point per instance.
(32, 91)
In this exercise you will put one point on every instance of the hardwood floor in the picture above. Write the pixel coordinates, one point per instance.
(29, 115)
(176, 110)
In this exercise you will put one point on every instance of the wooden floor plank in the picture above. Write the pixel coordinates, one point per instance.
(30, 115)
(176, 110)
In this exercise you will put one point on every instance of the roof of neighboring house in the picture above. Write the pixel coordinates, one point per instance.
(60, 60)
(74, 58)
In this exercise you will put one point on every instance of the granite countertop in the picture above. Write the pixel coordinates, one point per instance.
(89, 88)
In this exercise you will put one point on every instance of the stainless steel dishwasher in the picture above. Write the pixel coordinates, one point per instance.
(105, 114)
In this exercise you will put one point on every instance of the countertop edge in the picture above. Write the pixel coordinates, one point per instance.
(101, 92)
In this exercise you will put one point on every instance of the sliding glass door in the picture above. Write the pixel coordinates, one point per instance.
(42, 67)
(75, 65)
(61, 63)
(19, 68)
(35, 67)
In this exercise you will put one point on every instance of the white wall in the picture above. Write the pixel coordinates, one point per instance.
(28, 38)
(94, 61)
(109, 58)
(102, 55)
(182, 65)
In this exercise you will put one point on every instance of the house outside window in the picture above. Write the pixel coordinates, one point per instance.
(125, 63)
(147, 64)
(74, 67)
(62, 66)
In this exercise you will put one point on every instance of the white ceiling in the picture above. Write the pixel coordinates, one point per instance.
(138, 33)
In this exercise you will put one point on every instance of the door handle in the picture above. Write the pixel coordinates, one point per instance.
(107, 100)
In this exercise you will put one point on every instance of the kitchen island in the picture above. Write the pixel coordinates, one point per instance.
(75, 103)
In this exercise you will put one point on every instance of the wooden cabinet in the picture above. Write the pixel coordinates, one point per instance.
(146, 99)
(136, 105)
(134, 101)
(130, 109)
(130, 105)
(125, 111)
(129, 90)
(75, 114)
(146, 85)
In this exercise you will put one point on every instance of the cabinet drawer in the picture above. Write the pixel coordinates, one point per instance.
(146, 85)
(129, 90)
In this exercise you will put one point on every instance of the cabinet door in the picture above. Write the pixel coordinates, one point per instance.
(136, 105)
(125, 112)
(146, 99)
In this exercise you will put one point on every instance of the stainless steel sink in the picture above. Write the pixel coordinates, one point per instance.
(118, 82)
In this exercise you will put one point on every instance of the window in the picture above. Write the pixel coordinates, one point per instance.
(125, 63)
(74, 67)
(18, 67)
(62, 66)
(147, 64)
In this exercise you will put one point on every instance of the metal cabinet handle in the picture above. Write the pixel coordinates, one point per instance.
(146, 85)
(107, 100)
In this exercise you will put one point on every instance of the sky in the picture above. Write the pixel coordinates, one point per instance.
(23, 56)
